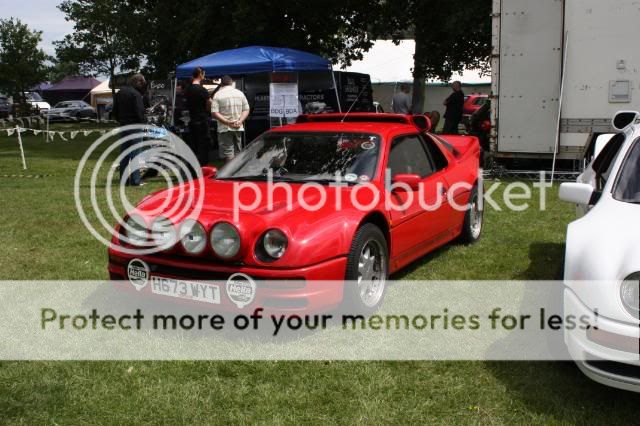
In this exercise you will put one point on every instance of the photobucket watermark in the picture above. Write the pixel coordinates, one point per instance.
(396, 193)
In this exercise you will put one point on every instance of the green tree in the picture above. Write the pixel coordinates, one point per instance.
(22, 63)
(104, 37)
(336, 29)
(450, 36)
(62, 69)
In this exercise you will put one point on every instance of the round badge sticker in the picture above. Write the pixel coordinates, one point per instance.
(138, 273)
(364, 178)
(241, 289)
(351, 177)
(367, 145)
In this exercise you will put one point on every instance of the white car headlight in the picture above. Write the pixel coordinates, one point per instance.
(136, 232)
(163, 232)
(225, 240)
(275, 243)
(193, 236)
(630, 294)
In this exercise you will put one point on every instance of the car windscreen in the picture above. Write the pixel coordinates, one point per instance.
(307, 157)
(627, 188)
(33, 97)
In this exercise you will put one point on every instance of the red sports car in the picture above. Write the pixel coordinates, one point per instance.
(392, 193)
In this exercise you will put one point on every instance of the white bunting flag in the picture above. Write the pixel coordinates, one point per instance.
(87, 132)
(36, 132)
(51, 135)
(10, 132)
(61, 134)
(74, 134)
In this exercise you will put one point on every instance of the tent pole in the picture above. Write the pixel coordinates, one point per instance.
(173, 102)
(335, 87)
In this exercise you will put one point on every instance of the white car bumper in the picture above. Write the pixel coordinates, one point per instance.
(609, 354)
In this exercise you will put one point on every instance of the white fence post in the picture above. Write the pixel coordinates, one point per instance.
(24, 162)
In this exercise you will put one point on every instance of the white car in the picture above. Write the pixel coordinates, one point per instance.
(37, 102)
(602, 260)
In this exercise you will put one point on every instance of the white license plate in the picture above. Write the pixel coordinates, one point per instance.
(189, 290)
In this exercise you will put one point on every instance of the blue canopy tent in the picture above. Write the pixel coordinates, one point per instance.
(256, 59)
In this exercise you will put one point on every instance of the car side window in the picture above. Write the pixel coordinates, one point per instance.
(438, 159)
(408, 156)
(606, 159)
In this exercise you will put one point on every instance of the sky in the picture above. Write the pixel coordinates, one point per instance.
(41, 15)
(385, 62)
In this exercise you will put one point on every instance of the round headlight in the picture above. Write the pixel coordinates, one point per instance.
(225, 240)
(275, 243)
(136, 231)
(163, 232)
(193, 237)
(630, 294)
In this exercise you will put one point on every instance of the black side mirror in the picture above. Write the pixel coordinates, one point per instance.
(624, 119)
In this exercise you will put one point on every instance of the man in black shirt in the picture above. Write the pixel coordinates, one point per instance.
(128, 108)
(454, 104)
(199, 106)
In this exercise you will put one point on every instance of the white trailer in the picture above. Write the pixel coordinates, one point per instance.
(560, 70)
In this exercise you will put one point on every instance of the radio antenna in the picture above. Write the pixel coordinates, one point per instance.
(353, 104)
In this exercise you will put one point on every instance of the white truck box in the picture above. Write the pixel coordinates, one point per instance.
(601, 73)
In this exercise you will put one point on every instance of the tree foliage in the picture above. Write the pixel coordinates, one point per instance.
(104, 38)
(175, 32)
(61, 69)
(22, 63)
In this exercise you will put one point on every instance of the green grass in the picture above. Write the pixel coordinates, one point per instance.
(41, 237)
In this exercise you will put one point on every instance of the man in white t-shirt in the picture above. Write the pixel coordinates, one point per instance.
(230, 108)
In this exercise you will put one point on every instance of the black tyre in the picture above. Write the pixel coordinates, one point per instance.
(367, 270)
(473, 220)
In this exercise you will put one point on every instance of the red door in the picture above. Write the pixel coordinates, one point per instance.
(419, 218)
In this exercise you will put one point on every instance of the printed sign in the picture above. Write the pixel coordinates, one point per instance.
(283, 100)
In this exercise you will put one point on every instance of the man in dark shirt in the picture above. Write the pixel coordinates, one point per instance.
(453, 114)
(199, 106)
(128, 108)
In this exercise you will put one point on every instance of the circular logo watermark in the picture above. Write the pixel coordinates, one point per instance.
(119, 159)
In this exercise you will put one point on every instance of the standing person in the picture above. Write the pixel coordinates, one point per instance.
(230, 108)
(128, 108)
(199, 105)
(401, 103)
(453, 114)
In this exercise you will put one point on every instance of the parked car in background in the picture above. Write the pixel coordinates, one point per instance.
(37, 103)
(356, 246)
(5, 107)
(472, 103)
(602, 260)
(71, 110)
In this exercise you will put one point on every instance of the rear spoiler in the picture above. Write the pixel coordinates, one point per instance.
(420, 121)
